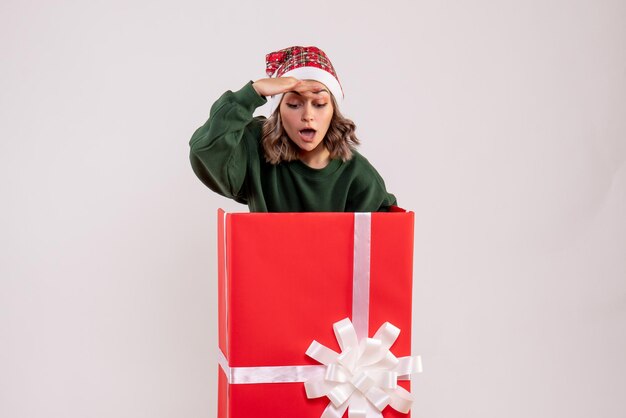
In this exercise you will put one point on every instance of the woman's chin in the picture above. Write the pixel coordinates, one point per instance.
(309, 146)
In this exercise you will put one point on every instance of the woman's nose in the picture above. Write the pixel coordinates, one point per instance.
(307, 113)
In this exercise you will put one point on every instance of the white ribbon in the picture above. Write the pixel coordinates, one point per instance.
(361, 273)
(268, 374)
(363, 378)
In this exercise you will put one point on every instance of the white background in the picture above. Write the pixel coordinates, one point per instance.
(502, 124)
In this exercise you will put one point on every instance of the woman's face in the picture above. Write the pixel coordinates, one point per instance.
(306, 118)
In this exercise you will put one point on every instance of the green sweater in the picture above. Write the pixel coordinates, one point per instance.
(227, 156)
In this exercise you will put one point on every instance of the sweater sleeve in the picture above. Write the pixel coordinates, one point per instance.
(367, 191)
(373, 198)
(219, 154)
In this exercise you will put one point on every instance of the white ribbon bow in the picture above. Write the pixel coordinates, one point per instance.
(364, 377)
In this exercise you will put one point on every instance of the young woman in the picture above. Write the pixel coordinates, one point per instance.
(301, 158)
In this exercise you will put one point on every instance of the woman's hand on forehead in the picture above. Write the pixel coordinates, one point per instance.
(310, 89)
(272, 86)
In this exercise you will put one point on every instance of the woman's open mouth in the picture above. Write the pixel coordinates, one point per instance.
(307, 134)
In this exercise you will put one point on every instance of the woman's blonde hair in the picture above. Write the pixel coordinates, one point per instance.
(340, 138)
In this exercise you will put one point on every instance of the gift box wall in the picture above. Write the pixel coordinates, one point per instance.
(284, 279)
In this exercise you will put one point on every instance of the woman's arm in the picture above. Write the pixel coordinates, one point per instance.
(219, 155)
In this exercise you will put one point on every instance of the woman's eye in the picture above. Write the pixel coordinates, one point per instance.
(320, 104)
(292, 105)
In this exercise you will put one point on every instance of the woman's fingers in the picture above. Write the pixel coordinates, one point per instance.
(308, 85)
(309, 88)
(273, 86)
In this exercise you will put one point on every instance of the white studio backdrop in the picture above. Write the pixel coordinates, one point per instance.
(501, 124)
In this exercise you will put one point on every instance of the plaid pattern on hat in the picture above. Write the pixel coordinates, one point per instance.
(279, 62)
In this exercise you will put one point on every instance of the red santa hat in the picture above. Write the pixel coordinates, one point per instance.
(303, 63)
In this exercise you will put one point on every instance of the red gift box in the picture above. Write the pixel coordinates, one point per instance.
(284, 280)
